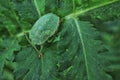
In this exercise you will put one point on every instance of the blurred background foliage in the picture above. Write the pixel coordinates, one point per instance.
(17, 16)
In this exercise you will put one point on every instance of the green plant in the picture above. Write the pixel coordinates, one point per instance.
(80, 40)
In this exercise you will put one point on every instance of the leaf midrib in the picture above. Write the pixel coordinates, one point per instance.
(83, 47)
(80, 12)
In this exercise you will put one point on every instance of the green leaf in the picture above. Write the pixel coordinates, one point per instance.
(74, 56)
(40, 6)
(8, 17)
(91, 5)
(44, 28)
(35, 68)
(30, 62)
(113, 66)
(25, 10)
(71, 51)
(90, 55)
(108, 12)
(7, 55)
(79, 52)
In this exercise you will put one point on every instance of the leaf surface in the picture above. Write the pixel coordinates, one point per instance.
(71, 51)
(90, 48)
(7, 55)
(34, 68)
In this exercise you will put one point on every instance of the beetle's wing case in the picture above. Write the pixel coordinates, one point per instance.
(44, 27)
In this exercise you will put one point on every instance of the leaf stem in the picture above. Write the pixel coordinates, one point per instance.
(77, 13)
(39, 53)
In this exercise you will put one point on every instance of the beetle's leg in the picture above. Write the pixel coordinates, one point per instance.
(39, 53)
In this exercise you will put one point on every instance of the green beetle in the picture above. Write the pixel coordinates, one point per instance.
(44, 28)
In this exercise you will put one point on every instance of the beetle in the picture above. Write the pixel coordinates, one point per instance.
(43, 28)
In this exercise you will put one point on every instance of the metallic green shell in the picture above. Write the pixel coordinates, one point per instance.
(44, 28)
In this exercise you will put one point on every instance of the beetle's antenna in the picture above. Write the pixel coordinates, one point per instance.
(39, 53)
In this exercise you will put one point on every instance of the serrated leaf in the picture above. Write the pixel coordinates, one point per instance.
(90, 51)
(44, 28)
(34, 68)
(75, 56)
(7, 54)
(78, 48)
(112, 66)
(26, 10)
(73, 52)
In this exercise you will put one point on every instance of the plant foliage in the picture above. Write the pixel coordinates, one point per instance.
(78, 39)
